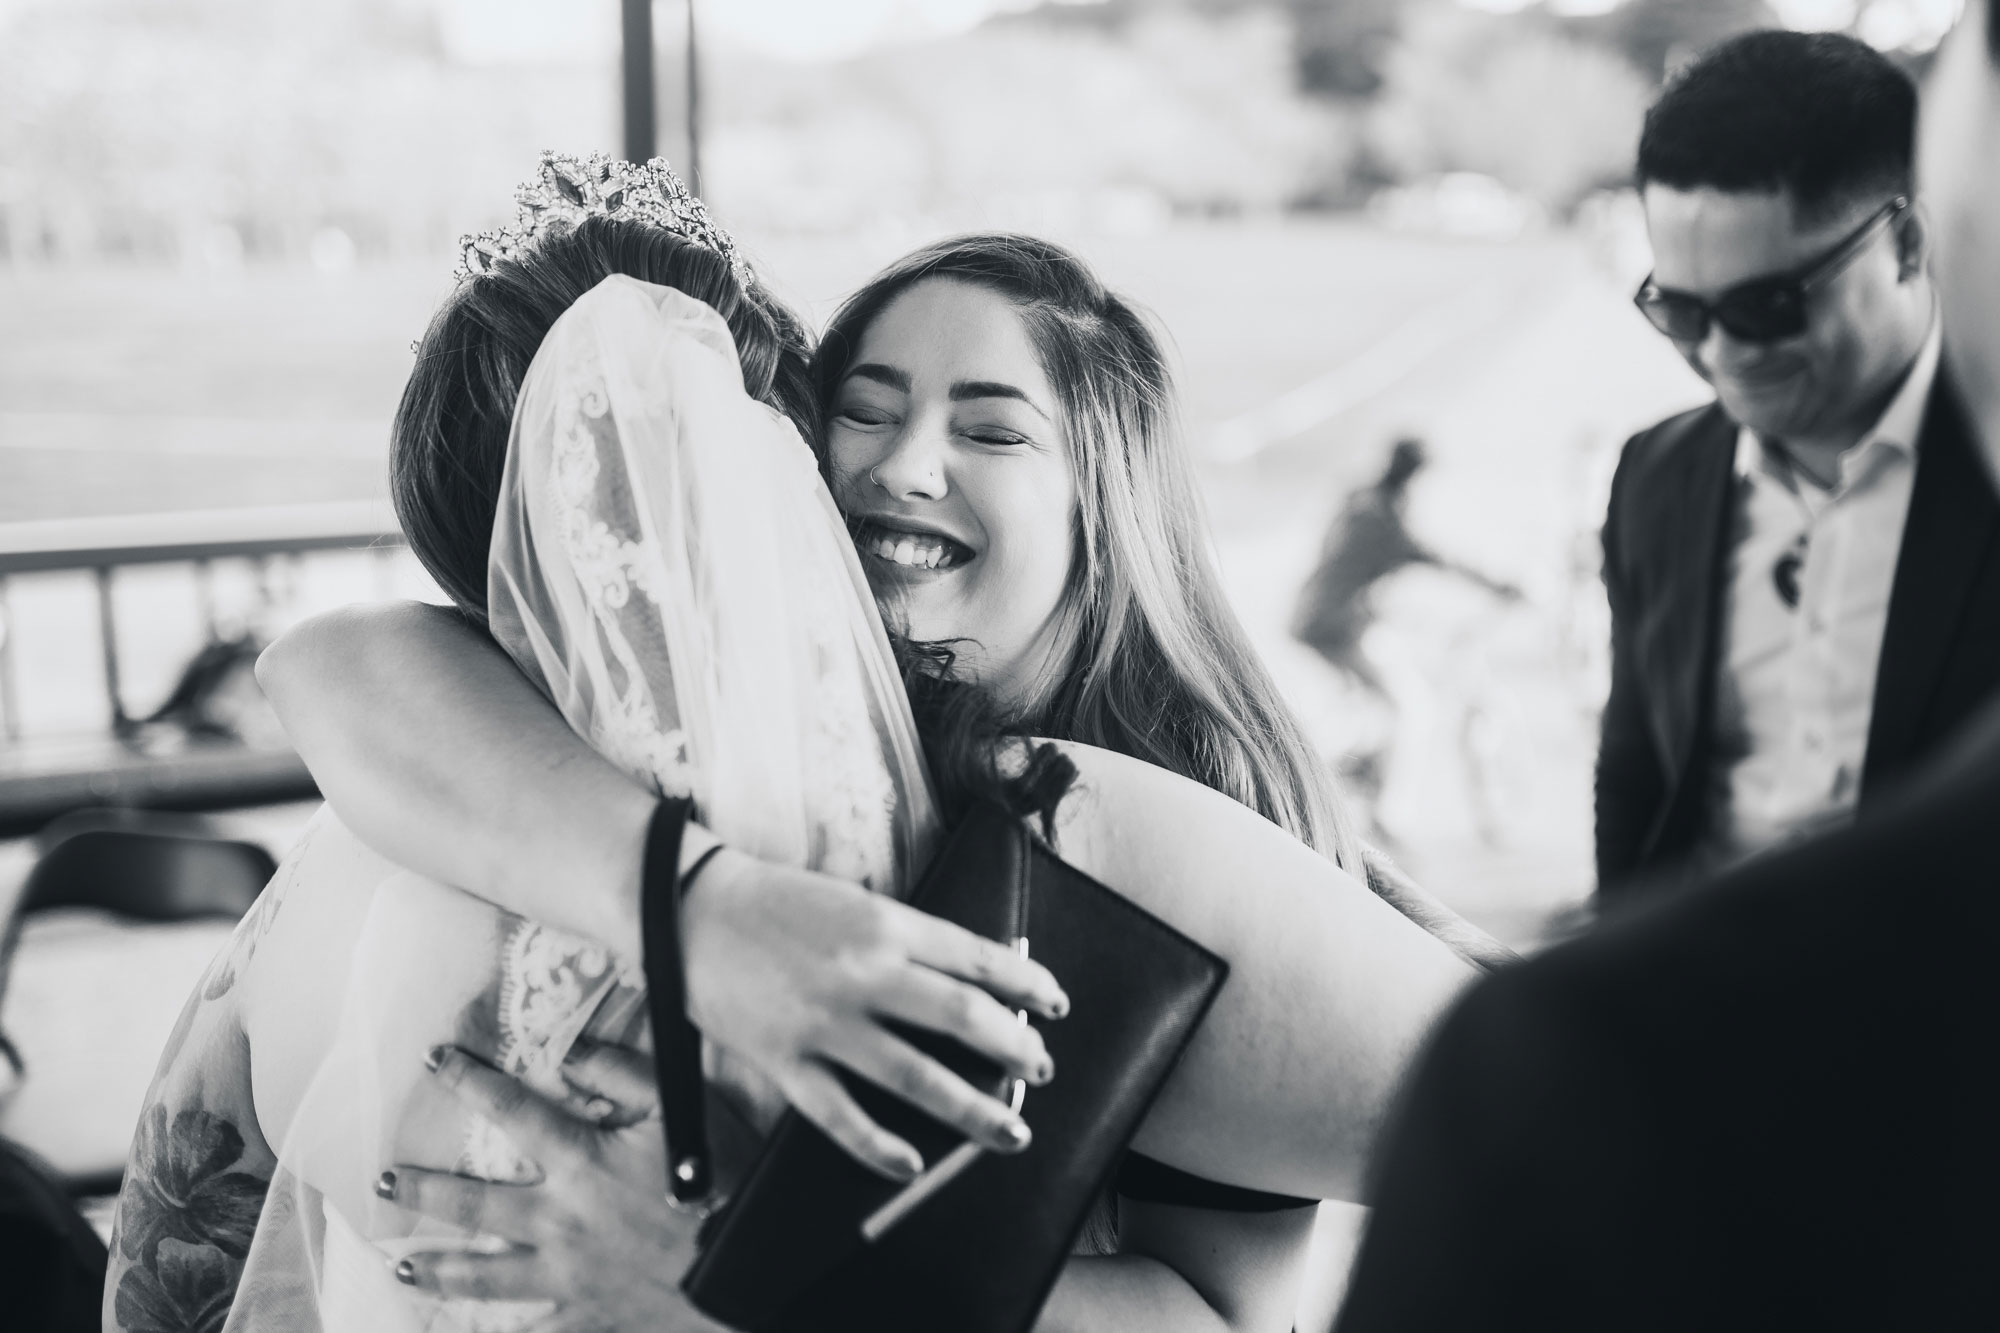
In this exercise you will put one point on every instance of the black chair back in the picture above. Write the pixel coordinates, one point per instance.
(148, 876)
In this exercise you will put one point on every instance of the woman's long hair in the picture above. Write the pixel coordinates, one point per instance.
(1151, 660)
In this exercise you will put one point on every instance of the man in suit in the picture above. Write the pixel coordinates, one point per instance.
(1767, 1102)
(1803, 575)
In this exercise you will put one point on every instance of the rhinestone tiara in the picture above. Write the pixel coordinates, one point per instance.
(567, 189)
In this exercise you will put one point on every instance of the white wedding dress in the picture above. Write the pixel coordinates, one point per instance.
(668, 568)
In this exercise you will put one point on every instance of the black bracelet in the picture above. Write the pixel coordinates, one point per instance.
(700, 863)
(676, 1041)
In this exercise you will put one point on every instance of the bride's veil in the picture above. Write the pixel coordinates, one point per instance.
(669, 569)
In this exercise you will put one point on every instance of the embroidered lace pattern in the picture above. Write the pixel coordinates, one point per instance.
(609, 566)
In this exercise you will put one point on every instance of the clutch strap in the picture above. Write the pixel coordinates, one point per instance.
(676, 1040)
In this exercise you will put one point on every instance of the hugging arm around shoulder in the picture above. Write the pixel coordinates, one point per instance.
(429, 741)
(1330, 989)
(442, 756)
(438, 753)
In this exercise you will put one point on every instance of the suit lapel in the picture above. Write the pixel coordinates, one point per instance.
(1681, 637)
(1953, 517)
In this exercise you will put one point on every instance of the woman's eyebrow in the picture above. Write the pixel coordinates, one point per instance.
(966, 390)
(881, 374)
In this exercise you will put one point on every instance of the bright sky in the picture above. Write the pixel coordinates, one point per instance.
(506, 31)
(829, 29)
(1889, 24)
(511, 31)
(1567, 8)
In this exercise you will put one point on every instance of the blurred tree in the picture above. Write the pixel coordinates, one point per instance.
(1657, 35)
(1342, 46)
(1188, 110)
(1513, 97)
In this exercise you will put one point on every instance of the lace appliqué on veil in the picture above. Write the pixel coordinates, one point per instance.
(609, 567)
(851, 795)
(854, 800)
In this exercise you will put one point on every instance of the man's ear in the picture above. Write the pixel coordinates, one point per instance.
(1913, 242)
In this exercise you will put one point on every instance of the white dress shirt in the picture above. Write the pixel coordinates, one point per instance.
(1796, 683)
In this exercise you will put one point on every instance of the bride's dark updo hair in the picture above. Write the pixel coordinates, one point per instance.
(448, 453)
(448, 447)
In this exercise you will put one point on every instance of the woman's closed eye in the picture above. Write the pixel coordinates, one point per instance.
(863, 415)
(998, 436)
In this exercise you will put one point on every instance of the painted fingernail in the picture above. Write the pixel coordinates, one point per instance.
(597, 1108)
(908, 1167)
(434, 1057)
(1060, 1008)
(1045, 1069)
(406, 1273)
(1016, 1134)
(385, 1185)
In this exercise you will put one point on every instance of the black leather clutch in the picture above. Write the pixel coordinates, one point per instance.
(815, 1241)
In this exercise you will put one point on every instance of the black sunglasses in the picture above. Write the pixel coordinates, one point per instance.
(1762, 310)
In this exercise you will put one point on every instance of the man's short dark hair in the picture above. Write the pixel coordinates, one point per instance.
(1820, 117)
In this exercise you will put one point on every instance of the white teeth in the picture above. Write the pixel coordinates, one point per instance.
(912, 550)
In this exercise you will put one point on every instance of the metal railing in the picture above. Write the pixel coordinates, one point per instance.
(201, 775)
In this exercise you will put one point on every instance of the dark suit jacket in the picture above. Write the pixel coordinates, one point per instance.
(1665, 559)
(1770, 1102)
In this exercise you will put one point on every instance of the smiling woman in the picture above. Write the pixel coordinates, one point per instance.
(987, 398)
(948, 457)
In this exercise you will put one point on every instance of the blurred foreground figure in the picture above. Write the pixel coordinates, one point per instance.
(1767, 1102)
(51, 1262)
(1804, 583)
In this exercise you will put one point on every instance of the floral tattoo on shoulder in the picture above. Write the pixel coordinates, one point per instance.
(185, 1222)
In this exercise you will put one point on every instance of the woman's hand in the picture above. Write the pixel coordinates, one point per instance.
(597, 1233)
(441, 755)
(799, 973)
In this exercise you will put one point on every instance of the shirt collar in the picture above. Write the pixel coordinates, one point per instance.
(1899, 426)
(1903, 420)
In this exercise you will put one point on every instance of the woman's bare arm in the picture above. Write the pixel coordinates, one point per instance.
(1330, 989)
(438, 753)
(444, 758)
(441, 756)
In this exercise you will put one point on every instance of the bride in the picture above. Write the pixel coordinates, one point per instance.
(296, 1071)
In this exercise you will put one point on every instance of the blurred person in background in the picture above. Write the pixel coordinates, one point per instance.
(1803, 576)
(1765, 1102)
(1369, 540)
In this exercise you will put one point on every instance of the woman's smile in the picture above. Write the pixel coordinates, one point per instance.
(909, 549)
